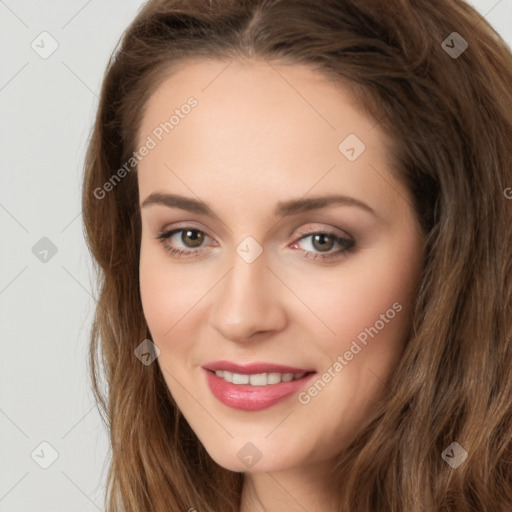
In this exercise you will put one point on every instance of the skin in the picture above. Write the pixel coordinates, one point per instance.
(261, 134)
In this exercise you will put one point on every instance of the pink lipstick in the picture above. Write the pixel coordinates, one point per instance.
(254, 386)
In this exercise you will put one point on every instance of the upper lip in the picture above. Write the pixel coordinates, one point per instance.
(253, 368)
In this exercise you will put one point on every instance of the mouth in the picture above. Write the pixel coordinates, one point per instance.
(255, 386)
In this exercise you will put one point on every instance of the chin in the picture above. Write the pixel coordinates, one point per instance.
(248, 458)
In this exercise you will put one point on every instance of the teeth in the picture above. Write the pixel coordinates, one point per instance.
(273, 378)
(238, 378)
(258, 379)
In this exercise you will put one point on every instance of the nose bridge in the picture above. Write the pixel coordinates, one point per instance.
(245, 284)
(244, 303)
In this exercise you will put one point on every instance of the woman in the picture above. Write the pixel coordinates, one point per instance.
(246, 151)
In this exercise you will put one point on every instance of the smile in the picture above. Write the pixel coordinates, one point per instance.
(255, 386)
(258, 379)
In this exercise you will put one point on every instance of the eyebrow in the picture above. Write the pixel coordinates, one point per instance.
(282, 209)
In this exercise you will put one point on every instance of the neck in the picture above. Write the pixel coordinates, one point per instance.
(294, 490)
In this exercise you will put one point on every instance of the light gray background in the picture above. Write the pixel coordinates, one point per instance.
(47, 108)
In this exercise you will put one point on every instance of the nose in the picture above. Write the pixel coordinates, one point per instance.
(247, 301)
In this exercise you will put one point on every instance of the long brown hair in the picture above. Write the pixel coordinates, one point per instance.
(450, 118)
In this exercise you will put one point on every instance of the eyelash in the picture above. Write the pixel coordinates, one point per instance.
(348, 243)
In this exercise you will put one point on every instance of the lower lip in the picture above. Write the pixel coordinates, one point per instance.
(252, 398)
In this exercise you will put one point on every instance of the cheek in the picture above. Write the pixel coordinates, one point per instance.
(167, 290)
(165, 302)
(154, 298)
(162, 293)
(370, 301)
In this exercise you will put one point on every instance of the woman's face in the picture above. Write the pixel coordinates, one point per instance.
(301, 254)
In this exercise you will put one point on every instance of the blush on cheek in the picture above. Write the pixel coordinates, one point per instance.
(157, 303)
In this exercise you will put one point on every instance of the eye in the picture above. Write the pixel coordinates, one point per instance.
(192, 238)
(324, 241)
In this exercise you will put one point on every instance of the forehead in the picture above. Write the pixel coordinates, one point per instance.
(244, 92)
(259, 128)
